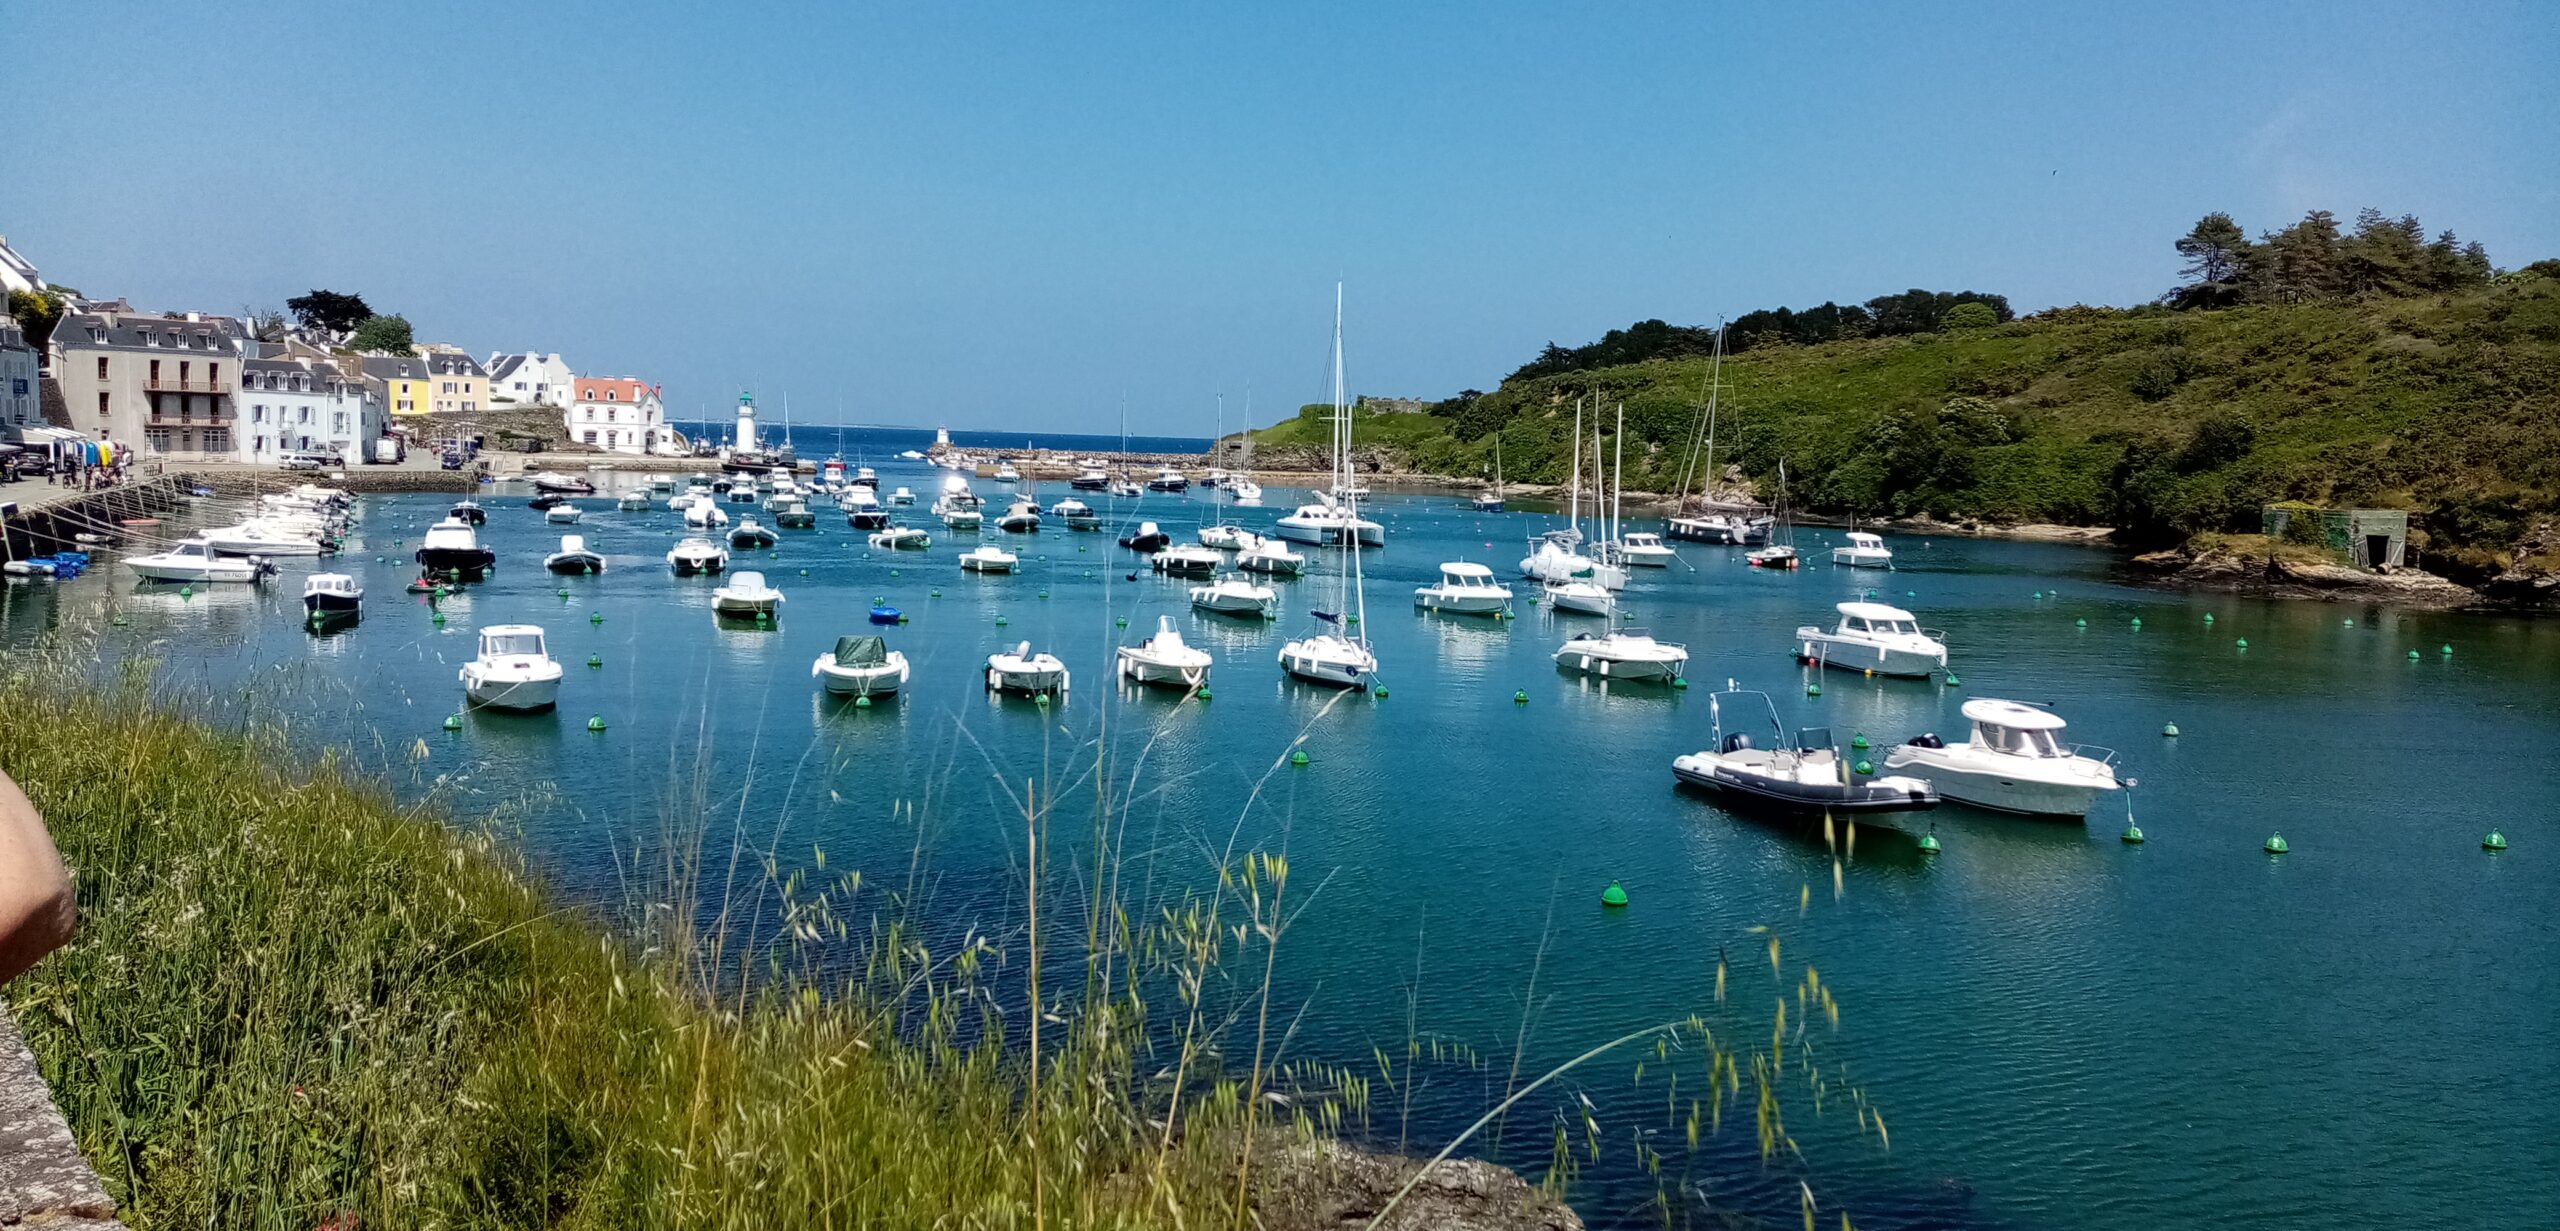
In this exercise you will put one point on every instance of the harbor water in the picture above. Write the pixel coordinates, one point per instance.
(2060, 1028)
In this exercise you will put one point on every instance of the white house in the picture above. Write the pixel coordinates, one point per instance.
(620, 414)
(301, 405)
(530, 379)
(17, 273)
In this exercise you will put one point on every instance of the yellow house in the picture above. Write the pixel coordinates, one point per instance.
(403, 384)
(456, 383)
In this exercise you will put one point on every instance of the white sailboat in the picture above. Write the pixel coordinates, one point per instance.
(1339, 657)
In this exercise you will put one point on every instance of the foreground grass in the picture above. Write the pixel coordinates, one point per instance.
(292, 1000)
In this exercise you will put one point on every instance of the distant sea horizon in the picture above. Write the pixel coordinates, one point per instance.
(858, 442)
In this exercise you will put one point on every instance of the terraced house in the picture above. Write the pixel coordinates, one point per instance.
(400, 383)
(304, 406)
(530, 379)
(457, 384)
(165, 384)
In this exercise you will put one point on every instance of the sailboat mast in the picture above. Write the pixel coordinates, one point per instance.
(1342, 476)
(1618, 493)
(1573, 518)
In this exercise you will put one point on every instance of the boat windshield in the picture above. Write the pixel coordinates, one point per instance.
(2017, 742)
(526, 644)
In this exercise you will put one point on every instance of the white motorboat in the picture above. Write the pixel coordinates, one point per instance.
(469, 512)
(862, 509)
(794, 514)
(697, 555)
(259, 537)
(749, 535)
(1876, 639)
(959, 508)
(574, 557)
(1165, 659)
(1187, 561)
(1236, 595)
(1020, 670)
(1330, 522)
(662, 485)
(327, 596)
(1077, 514)
(1623, 654)
(1227, 537)
(903, 496)
(866, 477)
(1803, 773)
(988, 559)
(746, 597)
(704, 516)
(1863, 550)
(901, 538)
(452, 548)
(562, 514)
(1580, 598)
(1272, 558)
(743, 492)
(513, 672)
(686, 499)
(1090, 479)
(1125, 488)
(1645, 549)
(634, 501)
(861, 667)
(1005, 473)
(1022, 516)
(911, 455)
(1465, 589)
(1720, 528)
(959, 518)
(554, 481)
(2014, 762)
(1146, 537)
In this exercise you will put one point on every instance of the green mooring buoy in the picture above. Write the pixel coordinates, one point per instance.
(1858, 740)
(2413, 656)
(2132, 834)
(1614, 895)
(453, 722)
(2276, 844)
(2241, 644)
(1381, 692)
(1679, 681)
(595, 660)
(2494, 842)
(1297, 756)
(1864, 766)
(1813, 690)
(595, 722)
(595, 617)
(1203, 694)
(2170, 730)
(862, 703)
(1520, 696)
(1929, 841)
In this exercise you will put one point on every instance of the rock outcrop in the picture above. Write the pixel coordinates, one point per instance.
(1328, 1186)
(2276, 574)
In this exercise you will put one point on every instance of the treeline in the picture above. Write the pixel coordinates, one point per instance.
(1886, 316)
(2312, 261)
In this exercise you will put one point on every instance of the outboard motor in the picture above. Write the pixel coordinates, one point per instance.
(261, 568)
(1737, 741)
(1926, 739)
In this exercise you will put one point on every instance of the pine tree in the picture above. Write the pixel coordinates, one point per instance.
(2217, 252)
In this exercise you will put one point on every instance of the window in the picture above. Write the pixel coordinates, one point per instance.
(338, 423)
(102, 369)
(590, 436)
(611, 415)
(213, 373)
(610, 395)
(155, 370)
(157, 438)
(102, 398)
(183, 366)
(217, 440)
(468, 407)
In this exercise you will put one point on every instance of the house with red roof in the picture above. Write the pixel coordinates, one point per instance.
(621, 414)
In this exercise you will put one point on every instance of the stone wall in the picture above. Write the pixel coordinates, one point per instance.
(44, 1179)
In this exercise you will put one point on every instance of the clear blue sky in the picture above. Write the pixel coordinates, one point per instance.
(1017, 215)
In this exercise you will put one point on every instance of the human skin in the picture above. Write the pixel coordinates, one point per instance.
(37, 908)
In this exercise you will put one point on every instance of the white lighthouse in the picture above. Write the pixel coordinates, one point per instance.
(746, 438)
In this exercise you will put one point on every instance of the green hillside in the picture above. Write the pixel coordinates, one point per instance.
(2159, 421)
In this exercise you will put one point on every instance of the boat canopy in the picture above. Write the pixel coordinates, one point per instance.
(861, 651)
(1874, 611)
(1860, 538)
(573, 544)
(747, 581)
(2012, 714)
(1461, 570)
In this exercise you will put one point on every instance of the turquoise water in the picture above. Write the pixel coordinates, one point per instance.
(2061, 1030)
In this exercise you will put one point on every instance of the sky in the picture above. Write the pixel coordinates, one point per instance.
(1046, 216)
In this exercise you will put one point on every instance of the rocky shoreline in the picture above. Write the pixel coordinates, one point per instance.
(2210, 568)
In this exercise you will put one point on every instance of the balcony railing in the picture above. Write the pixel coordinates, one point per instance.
(160, 385)
(171, 418)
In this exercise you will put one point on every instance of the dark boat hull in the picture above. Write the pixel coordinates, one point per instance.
(469, 565)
